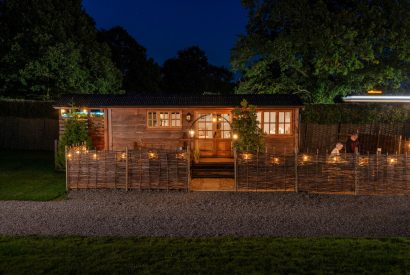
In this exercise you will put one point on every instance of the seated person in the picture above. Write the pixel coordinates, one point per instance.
(352, 143)
(337, 149)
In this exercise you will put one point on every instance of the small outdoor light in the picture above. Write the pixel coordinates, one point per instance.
(392, 161)
(188, 117)
(62, 111)
(375, 92)
(191, 133)
(275, 160)
(214, 119)
(69, 156)
(77, 152)
(94, 156)
(180, 155)
(305, 158)
(235, 136)
(247, 156)
(152, 155)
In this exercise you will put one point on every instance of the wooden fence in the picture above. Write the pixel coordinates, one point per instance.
(28, 133)
(142, 169)
(345, 174)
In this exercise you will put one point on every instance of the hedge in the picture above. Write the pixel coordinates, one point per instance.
(355, 113)
(27, 109)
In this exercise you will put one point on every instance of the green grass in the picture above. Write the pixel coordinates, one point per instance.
(203, 255)
(29, 176)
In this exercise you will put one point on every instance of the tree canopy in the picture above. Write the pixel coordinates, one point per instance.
(191, 73)
(140, 74)
(322, 49)
(50, 47)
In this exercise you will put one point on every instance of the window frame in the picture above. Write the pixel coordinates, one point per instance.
(157, 116)
(277, 134)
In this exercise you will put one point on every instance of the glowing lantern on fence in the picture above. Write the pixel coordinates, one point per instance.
(305, 158)
(191, 133)
(246, 156)
(180, 155)
(392, 161)
(275, 160)
(235, 136)
(152, 155)
(94, 156)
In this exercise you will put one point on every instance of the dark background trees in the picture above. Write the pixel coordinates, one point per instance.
(325, 48)
(190, 73)
(50, 47)
(140, 73)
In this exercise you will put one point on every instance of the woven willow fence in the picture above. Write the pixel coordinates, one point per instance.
(142, 169)
(344, 174)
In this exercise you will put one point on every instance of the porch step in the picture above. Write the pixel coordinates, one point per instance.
(212, 170)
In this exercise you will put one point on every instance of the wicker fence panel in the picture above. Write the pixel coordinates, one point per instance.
(265, 172)
(371, 174)
(141, 169)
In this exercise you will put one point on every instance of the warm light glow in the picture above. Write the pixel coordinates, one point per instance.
(214, 119)
(392, 160)
(305, 157)
(69, 156)
(247, 156)
(94, 156)
(77, 152)
(152, 155)
(180, 155)
(62, 111)
(192, 133)
(275, 160)
(235, 136)
(375, 92)
(85, 111)
(123, 155)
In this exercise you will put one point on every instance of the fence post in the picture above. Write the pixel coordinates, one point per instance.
(355, 172)
(296, 172)
(189, 165)
(66, 169)
(235, 156)
(126, 168)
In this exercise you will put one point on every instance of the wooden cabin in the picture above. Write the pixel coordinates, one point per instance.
(119, 121)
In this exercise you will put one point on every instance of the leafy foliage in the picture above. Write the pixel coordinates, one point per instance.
(140, 74)
(190, 73)
(75, 133)
(245, 124)
(52, 49)
(323, 49)
(353, 113)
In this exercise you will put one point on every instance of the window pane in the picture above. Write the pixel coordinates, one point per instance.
(272, 116)
(163, 119)
(281, 117)
(266, 117)
(287, 117)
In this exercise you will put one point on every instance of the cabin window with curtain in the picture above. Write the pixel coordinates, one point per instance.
(275, 122)
(164, 119)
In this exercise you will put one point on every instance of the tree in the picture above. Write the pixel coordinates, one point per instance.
(190, 73)
(140, 74)
(50, 47)
(324, 48)
(246, 126)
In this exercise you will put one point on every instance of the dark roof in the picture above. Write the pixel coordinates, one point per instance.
(101, 101)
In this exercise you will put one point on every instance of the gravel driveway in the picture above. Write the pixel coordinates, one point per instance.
(104, 212)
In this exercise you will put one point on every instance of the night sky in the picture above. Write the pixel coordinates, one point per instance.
(165, 26)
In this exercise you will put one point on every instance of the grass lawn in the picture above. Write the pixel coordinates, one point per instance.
(29, 176)
(203, 255)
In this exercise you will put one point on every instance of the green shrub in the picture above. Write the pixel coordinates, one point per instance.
(355, 113)
(75, 133)
(246, 126)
